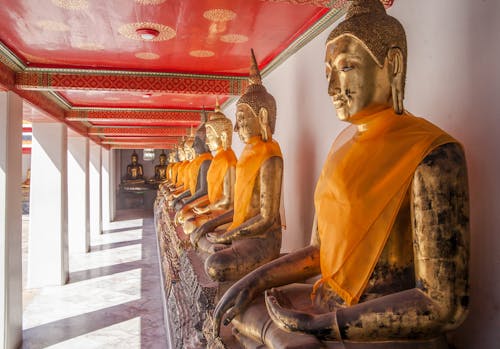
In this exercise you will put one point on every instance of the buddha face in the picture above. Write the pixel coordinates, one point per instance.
(355, 82)
(247, 123)
(134, 159)
(213, 141)
(181, 155)
(163, 159)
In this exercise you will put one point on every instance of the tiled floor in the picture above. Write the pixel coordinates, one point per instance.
(113, 299)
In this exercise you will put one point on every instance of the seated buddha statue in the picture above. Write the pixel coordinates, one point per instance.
(134, 169)
(26, 183)
(196, 175)
(390, 243)
(161, 168)
(178, 184)
(220, 175)
(254, 236)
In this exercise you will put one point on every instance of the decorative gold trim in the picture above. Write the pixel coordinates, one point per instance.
(60, 100)
(71, 4)
(219, 15)
(234, 38)
(112, 109)
(129, 31)
(10, 59)
(147, 56)
(202, 53)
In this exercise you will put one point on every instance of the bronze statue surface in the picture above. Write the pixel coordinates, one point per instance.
(390, 242)
(254, 236)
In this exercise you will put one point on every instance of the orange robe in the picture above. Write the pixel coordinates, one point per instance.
(360, 191)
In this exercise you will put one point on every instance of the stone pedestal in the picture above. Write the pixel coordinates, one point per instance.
(190, 295)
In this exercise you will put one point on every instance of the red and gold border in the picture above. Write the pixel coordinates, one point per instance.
(138, 131)
(44, 79)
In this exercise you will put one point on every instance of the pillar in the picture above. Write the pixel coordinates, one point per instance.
(95, 196)
(10, 220)
(48, 238)
(108, 185)
(78, 194)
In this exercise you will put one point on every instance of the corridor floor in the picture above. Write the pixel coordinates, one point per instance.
(112, 300)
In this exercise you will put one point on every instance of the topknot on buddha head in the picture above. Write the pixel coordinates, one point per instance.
(200, 136)
(220, 125)
(256, 96)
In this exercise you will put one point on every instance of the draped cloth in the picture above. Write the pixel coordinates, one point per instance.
(360, 191)
(255, 153)
(180, 173)
(194, 168)
(169, 171)
(222, 161)
(175, 172)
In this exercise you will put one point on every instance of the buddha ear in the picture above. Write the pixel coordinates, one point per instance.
(223, 139)
(265, 130)
(396, 62)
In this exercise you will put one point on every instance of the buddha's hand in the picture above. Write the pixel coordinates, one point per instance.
(281, 311)
(233, 302)
(197, 234)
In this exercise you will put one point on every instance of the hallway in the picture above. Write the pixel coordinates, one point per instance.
(113, 297)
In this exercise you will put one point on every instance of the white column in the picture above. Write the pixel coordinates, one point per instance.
(112, 184)
(78, 194)
(106, 186)
(95, 189)
(10, 221)
(48, 238)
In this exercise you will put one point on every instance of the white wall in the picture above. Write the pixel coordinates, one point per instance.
(454, 81)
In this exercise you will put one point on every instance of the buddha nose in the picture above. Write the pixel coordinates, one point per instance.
(236, 127)
(333, 87)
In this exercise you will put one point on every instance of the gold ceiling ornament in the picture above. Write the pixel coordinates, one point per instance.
(89, 46)
(219, 15)
(202, 53)
(150, 2)
(234, 38)
(130, 31)
(71, 4)
(53, 26)
(147, 55)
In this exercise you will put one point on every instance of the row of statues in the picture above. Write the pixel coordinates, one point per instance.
(388, 260)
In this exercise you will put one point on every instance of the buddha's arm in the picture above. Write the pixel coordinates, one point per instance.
(202, 186)
(441, 251)
(140, 171)
(209, 226)
(270, 193)
(294, 267)
(227, 199)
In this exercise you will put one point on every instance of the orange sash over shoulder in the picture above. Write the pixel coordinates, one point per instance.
(255, 153)
(169, 171)
(181, 173)
(175, 171)
(222, 160)
(186, 175)
(360, 191)
(194, 168)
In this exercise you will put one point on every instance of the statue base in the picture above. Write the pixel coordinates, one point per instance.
(190, 296)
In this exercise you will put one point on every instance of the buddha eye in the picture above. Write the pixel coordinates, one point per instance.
(346, 69)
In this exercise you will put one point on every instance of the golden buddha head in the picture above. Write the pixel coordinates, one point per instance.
(256, 108)
(219, 130)
(134, 158)
(181, 154)
(163, 158)
(366, 61)
(188, 147)
(200, 139)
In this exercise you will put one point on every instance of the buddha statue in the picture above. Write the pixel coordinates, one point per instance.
(178, 176)
(161, 168)
(195, 184)
(134, 169)
(390, 242)
(254, 236)
(220, 175)
(26, 183)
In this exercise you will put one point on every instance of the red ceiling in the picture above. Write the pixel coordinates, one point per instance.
(46, 35)
(140, 99)
(83, 63)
